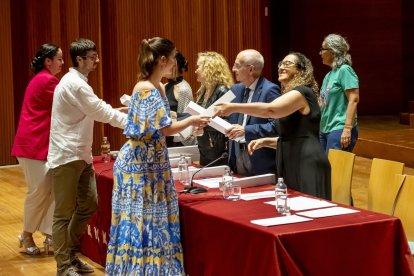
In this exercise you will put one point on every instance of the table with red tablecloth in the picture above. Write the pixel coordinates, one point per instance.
(219, 239)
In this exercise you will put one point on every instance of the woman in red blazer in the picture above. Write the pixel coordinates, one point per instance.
(31, 145)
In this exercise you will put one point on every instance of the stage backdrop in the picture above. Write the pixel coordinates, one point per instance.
(379, 33)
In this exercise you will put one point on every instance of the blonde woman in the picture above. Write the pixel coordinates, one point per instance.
(215, 77)
(301, 159)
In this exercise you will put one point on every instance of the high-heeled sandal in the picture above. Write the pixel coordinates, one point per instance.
(48, 243)
(29, 245)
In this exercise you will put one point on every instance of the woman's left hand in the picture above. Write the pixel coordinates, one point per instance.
(346, 138)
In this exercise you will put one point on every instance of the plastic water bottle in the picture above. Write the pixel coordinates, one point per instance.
(184, 174)
(281, 196)
(226, 180)
(105, 150)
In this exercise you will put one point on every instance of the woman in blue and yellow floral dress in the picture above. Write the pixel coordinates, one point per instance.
(145, 227)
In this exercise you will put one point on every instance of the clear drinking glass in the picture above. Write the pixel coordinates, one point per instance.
(232, 192)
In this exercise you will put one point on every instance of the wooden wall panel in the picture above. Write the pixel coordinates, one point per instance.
(6, 86)
(194, 25)
(376, 32)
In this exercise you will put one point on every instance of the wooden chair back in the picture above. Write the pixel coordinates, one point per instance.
(383, 187)
(404, 207)
(342, 164)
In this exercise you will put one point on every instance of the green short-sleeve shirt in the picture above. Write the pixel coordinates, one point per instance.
(334, 100)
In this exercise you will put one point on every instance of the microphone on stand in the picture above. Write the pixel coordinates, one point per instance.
(196, 190)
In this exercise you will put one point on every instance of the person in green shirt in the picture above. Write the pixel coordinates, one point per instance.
(339, 96)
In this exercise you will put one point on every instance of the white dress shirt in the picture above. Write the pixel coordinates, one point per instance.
(249, 100)
(74, 110)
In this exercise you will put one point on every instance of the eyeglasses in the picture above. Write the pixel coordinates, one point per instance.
(94, 58)
(286, 63)
(324, 49)
(238, 66)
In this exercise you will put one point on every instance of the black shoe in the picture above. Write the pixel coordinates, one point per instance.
(80, 266)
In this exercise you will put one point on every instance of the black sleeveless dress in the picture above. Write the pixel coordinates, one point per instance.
(301, 159)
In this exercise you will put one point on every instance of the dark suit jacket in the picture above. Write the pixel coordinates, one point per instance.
(262, 160)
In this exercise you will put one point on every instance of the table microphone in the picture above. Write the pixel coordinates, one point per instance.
(196, 190)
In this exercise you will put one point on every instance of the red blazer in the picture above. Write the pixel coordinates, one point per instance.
(32, 137)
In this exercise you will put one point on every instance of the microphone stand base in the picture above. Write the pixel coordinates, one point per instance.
(194, 190)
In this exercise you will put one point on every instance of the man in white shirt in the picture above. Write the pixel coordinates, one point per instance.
(75, 108)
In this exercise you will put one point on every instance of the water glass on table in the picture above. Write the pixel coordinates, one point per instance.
(232, 192)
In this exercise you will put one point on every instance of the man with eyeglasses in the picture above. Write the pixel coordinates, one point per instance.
(252, 87)
(74, 110)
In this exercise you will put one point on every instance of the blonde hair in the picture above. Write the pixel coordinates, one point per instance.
(215, 70)
(304, 76)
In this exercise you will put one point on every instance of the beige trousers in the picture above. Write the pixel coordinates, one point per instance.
(39, 204)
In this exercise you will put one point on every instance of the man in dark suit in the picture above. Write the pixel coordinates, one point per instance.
(252, 87)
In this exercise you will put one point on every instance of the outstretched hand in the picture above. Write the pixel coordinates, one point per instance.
(200, 121)
(235, 131)
(222, 109)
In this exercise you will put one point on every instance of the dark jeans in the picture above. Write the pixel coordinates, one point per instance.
(332, 140)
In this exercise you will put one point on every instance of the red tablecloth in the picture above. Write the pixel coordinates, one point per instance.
(218, 238)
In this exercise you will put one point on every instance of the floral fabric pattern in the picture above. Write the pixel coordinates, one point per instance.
(145, 228)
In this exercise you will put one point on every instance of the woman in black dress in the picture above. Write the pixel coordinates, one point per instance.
(301, 159)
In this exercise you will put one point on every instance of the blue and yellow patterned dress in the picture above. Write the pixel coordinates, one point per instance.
(145, 227)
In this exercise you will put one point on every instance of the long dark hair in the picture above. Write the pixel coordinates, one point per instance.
(182, 63)
(150, 52)
(45, 51)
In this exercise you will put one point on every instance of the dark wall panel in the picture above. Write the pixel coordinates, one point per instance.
(374, 31)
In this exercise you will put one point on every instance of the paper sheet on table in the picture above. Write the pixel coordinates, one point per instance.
(301, 203)
(327, 212)
(211, 182)
(280, 220)
(258, 195)
(208, 182)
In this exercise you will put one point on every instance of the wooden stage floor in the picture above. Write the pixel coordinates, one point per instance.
(384, 137)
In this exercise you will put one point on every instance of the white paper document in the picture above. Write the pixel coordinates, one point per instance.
(125, 100)
(226, 98)
(185, 133)
(217, 123)
(258, 195)
(255, 180)
(208, 182)
(280, 220)
(301, 203)
(327, 212)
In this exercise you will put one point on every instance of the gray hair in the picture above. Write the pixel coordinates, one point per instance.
(339, 47)
(253, 57)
